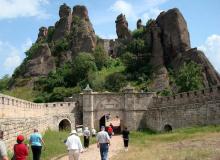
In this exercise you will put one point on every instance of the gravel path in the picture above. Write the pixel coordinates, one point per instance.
(93, 152)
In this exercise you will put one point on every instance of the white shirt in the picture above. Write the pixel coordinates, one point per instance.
(86, 133)
(73, 142)
(103, 137)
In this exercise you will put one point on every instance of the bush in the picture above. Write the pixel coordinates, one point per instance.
(4, 82)
(189, 77)
(115, 82)
(60, 46)
(138, 33)
(32, 51)
(101, 57)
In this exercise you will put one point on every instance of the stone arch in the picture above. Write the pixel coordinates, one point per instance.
(167, 128)
(64, 124)
(99, 116)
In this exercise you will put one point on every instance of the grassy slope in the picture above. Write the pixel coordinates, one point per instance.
(24, 93)
(198, 143)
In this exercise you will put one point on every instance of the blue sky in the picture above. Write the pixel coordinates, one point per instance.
(21, 19)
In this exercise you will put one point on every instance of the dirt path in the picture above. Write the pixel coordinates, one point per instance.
(93, 152)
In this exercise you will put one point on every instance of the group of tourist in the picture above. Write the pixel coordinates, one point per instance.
(73, 144)
(20, 149)
(103, 137)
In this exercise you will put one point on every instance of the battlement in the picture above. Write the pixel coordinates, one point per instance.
(207, 94)
(12, 107)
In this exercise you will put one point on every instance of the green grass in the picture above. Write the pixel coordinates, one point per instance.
(24, 93)
(54, 142)
(194, 143)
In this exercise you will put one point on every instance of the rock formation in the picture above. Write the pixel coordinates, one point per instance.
(176, 46)
(139, 24)
(42, 34)
(175, 33)
(83, 38)
(160, 76)
(122, 28)
(62, 27)
(41, 63)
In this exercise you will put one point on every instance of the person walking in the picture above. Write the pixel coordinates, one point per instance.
(125, 135)
(20, 149)
(74, 146)
(103, 142)
(3, 150)
(110, 131)
(86, 134)
(36, 143)
(93, 132)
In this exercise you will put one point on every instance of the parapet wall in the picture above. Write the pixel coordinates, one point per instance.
(21, 117)
(185, 109)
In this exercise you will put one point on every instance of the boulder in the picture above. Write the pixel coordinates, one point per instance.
(83, 38)
(41, 63)
(122, 28)
(175, 33)
(62, 27)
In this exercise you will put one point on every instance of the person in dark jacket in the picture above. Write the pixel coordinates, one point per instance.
(125, 136)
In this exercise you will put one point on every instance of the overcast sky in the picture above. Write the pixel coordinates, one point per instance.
(21, 19)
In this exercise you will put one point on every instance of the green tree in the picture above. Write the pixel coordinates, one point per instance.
(4, 82)
(189, 77)
(101, 57)
(115, 82)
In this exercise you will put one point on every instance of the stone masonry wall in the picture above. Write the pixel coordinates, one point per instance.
(185, 110)
(21, 117)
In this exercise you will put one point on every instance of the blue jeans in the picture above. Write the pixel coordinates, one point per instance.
(104, 151)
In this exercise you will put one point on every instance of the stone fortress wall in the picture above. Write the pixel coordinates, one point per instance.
(147, 110)
(185, 109)
(21, 117)
(136, 111)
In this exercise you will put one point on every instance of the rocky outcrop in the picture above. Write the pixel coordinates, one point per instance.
(42, 34)
(122, 28)
(175, 35)
(62, 27)
(83, 38)
(160, 75)
(139, 24)
(41, 63)
(210, 75)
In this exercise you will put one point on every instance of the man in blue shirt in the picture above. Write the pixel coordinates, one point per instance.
(36, 142)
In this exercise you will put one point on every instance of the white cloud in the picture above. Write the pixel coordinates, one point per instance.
(153, 3)
(12, 61)
(151, 14)
(211, 48)
(121, 6)
(22, 8)
(27, 44)
(146, 9)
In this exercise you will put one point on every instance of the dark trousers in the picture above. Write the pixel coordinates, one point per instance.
(125, 142)
(104, 151)
(36, 150)
(86, 142)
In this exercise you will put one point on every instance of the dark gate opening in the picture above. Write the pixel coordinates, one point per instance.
(102, 122)
(167, 128)
(65, 125)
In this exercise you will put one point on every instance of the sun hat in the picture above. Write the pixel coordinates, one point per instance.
(20, 138)
(73, 132)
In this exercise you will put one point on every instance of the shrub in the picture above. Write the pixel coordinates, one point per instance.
(101, 57)
(189, 77)
(115, 81)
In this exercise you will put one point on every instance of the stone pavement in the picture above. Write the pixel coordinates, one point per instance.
(93, 152)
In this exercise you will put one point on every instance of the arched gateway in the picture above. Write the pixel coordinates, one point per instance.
(116, 108)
